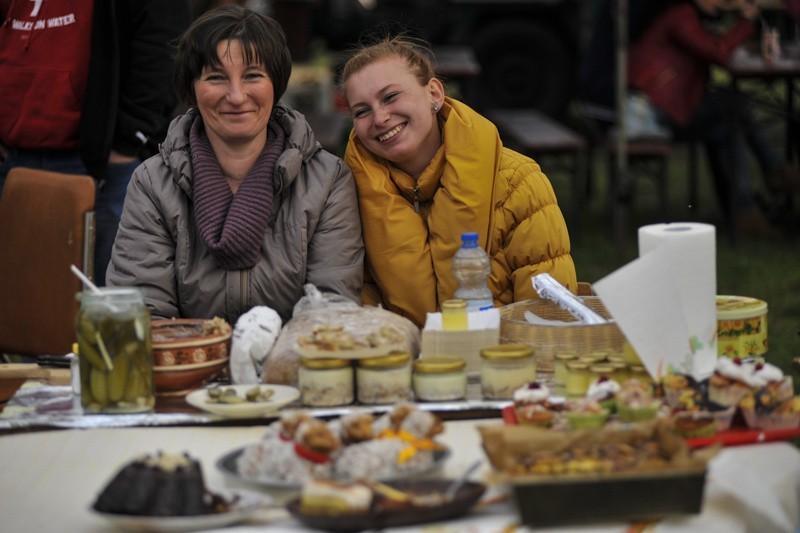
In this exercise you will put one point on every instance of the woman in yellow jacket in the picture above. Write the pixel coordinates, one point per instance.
(428, 168)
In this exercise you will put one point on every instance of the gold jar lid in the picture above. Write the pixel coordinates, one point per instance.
(618, 365)
(505, 352)
(566, 356)
(439, 364)
(616, 358)
(589, 359)
(385, 361)
(604, 368)
(578, 365)
(323, 363)
(638, 369)
(455, 304)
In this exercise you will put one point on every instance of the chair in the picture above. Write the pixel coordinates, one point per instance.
(46, 225)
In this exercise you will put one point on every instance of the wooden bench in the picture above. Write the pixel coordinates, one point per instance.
(535, 134)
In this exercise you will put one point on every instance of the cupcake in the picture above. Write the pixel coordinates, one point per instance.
(762, 409)
(635, 402)
(772, 377)
(676, 385)
(695, 424)
(695, 401)
(604, 391)
(531, 405)
(585, 413)
(731, 381)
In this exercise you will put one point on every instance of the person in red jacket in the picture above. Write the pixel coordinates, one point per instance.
(87, 89)
(670, 67)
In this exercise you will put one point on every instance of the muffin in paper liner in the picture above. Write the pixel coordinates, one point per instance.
(578, 420)
(770, 421)
(727, 395)
(695, 424)
(724, 417)
(638, 413)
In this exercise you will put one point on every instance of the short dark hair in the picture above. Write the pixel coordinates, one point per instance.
(262, 38)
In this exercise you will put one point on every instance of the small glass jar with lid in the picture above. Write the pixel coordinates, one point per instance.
(598, 370)
(325, 382)
(578, 379)
(640, 372)
(454, 315)
(439, 378)
(560, 368)
(504, 369)
(115, 351)
(384, 379)
(620, 372)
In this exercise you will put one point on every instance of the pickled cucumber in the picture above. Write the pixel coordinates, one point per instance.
(98, 384)
(118, 378)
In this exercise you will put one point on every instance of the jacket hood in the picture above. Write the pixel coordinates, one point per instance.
(300, 146)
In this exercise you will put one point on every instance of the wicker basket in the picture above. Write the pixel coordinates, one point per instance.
(549, 340)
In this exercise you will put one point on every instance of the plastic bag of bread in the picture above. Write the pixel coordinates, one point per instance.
(338, 332)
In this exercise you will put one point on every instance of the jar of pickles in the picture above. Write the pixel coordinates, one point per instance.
(505, 368)
(325, 382)
(115, 351)
(439, 378)
(384, 379)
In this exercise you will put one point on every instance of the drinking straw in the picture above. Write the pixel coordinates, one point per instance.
(100, 343)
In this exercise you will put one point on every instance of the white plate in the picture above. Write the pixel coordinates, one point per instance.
(227, 465)
(247, 505)
(282, 395)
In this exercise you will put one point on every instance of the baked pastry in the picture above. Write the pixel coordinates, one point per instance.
(323, 496)
(695, 424)
(585, 413)
(635, 402)
(530, 405)
(604, 391)
(160, 485)
(763, 409)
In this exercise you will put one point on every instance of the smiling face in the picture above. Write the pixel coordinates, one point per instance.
(392, 113)
(235, 99)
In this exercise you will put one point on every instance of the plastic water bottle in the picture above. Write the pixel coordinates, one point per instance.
(471, 269)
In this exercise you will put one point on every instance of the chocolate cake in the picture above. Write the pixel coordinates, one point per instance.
(160, 485)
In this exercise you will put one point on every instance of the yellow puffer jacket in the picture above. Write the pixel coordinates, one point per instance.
(472, 184)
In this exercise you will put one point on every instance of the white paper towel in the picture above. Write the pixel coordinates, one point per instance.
(693, 254)
(665, 301)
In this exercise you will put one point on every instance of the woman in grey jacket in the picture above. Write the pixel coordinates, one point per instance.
(242, 207)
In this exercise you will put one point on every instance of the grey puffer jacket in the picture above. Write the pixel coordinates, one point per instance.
(314, 232)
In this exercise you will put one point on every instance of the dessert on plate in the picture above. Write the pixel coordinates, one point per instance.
(531, 405)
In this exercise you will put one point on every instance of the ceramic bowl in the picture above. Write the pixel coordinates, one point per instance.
(187, 353)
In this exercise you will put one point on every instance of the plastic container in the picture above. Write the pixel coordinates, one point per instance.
(385, 379)
(504, 369)
(115, 351)
(741, 326)
(440, 378)
(454, 315)
(325, 382)
(471, 268)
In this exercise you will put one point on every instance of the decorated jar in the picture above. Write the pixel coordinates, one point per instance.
(741, 326)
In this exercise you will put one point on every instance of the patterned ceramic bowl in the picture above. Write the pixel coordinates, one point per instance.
(188, 352)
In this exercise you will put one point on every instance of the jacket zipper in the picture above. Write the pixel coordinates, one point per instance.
(416, 198)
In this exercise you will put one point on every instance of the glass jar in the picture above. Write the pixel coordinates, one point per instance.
(640, 372)
(505, 368)
(619, 372)
(325, 382)
(115, 351)
(560, 370)
(454, 315)
(578, 379)
(384, 379)
(440, 378)
(629, 354)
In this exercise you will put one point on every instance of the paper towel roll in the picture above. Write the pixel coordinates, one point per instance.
(693, 258)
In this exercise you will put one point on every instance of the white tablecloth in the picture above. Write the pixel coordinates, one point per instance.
(49, 479)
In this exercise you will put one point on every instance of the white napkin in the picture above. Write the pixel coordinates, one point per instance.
(252, 340)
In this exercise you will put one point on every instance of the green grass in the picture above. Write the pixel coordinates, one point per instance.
(764, 268)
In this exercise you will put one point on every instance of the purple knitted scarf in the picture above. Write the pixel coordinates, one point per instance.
(233, 225)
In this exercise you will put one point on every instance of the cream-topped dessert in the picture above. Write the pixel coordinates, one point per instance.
(531, 393)
(602, 389)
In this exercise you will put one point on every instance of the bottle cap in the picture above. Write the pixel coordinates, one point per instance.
(469, 239)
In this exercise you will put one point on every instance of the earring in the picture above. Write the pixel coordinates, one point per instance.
(435, 108)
